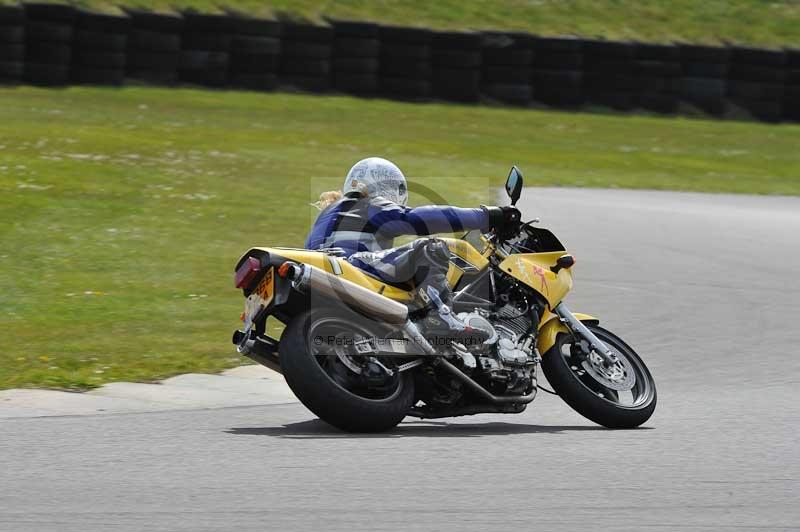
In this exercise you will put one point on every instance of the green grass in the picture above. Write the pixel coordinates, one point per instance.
(761, 22)
(122, 211)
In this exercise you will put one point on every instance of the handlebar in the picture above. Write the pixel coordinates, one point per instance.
(491, 236)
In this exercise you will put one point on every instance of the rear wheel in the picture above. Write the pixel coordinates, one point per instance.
(320, 356)
(620, 396)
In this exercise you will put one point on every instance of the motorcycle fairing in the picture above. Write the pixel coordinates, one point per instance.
(534, 270)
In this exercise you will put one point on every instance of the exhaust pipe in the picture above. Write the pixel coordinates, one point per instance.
(261, 349)
(307, 278)
(483, 392)
(310, 279)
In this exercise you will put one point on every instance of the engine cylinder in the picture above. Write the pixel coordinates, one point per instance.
(509, 317)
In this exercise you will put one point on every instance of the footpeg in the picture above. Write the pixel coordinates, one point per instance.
(467, 358)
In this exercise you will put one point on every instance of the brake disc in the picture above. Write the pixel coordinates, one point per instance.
(620, 376)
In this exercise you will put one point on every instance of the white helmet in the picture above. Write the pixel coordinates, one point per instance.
(377, 177)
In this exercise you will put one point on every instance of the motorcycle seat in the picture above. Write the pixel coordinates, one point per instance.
(347, 266)
(407, 286)
(339, 265)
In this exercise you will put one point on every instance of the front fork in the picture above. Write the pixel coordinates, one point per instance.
(576, 327)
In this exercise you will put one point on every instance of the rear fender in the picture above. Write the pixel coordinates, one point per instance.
(550, 329)
(284, 294)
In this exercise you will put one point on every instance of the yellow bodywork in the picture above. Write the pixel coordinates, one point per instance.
(533, 269)
(550, 327)
(467, 252)
(326, 262)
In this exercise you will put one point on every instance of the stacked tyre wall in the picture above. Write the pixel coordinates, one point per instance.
(49, 30)
(658, 71)
(507, 62)
(153, 47)
(405, 62)
(456, 61)
(756, 81)
(12, 43)
(205, 49)
(57, 44)
(99, 50)
(705, 73)
(255, 53)
(791, 93)
(608, 78)
(356, 57)
(557, 73)
(306, 52)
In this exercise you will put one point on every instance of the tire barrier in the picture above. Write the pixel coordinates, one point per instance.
(456, 58)
(507, 71)
(658, 76)
(557, 73)
(254, 53)
(99, 49)
(154, 47)
(49, 29)
(705, 72)
(55, 44)
(791, 94)
(306, 57)
(356, 57)
(756, 82)
(405, 62)
(12, 44)
(608, 78)
(205, 49)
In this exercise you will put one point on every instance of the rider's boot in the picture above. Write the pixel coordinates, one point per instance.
(443, 326)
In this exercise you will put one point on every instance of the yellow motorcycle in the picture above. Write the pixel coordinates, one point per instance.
(352, 353)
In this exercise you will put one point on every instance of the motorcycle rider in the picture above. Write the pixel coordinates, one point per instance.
(371, 211)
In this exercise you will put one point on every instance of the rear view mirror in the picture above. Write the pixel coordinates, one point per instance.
(514, 185)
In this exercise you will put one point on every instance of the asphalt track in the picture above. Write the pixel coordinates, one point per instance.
(704, 286)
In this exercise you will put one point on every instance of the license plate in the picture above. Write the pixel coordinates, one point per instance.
(260, 298)
(266, 288)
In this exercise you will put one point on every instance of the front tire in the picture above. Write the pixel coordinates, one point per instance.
(324, 382)
(583, 388)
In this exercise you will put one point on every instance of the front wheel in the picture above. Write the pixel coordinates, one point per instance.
(619, 397)
(321, 361)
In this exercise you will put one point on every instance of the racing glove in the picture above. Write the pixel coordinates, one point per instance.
(506, 220)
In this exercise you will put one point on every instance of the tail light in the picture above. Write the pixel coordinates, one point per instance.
(247, 272)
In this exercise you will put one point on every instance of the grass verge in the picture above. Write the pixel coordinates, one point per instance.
(123, 211)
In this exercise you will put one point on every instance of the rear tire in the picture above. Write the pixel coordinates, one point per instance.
(582, 393)
(326, 398)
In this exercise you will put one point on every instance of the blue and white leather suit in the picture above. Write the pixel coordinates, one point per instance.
(365, 229)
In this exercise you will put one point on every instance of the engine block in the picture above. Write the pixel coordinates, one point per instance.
(505, 360)
(509, 316)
